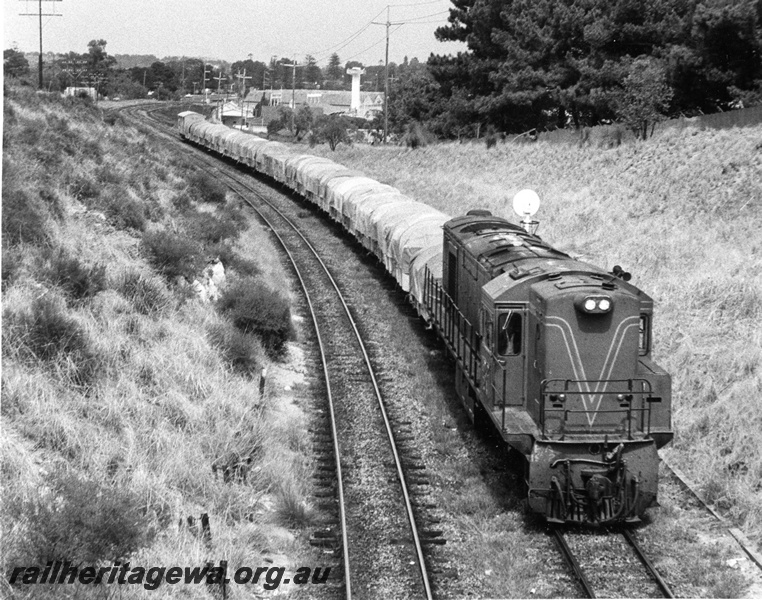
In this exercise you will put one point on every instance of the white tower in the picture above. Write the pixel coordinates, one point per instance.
(356, 73)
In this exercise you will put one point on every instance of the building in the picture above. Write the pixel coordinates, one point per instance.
(327, 102)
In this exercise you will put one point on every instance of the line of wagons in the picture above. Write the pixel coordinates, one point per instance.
(404, 234)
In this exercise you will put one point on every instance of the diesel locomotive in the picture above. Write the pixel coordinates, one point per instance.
(553, 352)
(556, 354)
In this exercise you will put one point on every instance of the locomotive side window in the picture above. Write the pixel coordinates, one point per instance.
(644, 330)
(509, 334)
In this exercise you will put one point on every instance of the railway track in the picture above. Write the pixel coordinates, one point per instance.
(623, 571)
(611, 565)
(369, 483)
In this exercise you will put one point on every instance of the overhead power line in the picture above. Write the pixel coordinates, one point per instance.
(41, 14)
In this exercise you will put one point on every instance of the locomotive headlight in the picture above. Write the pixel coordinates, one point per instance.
(594, 305)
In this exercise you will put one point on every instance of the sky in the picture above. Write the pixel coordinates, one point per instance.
(230, 30)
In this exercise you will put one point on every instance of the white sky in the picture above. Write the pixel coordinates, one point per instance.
(232, 29)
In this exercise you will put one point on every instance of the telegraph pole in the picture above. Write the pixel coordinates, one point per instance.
(203, 84)
(41, 14)
(293, 91)
(242, 77)
(386, 75)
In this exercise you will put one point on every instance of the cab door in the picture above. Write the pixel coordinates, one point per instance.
(509, 355)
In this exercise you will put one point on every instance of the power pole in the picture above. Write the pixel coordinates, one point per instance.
(41, 14)
(204, 83)
(293, 91)
(386, 75)
(242, 78)
(219, 81)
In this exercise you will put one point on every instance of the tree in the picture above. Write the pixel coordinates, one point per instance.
(303, 120)
(646, 95)
(333, 71)
(554, 63)
(98, 60)
(332, 129)
(312, 75)
(15, 63)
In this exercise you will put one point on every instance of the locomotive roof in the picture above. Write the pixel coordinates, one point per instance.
(495, 241)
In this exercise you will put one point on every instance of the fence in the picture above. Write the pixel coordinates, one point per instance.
(613, 135)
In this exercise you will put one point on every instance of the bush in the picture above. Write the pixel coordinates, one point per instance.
(80, 521)
(415, 136)
(123, 211)
(240, 350)
(147, 296)
(24, 218)
(212, 229)
(77, 280)
(172, 254)
(46, 333)
(207, 189)
(256, 309)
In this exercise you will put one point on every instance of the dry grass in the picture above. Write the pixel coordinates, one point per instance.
(683, 213)
(166, 419)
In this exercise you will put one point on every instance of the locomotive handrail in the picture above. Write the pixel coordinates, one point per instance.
(459, 334)
(548, 396)
(647, 388)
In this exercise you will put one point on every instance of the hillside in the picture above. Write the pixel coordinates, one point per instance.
(130, 405)
(683, 213)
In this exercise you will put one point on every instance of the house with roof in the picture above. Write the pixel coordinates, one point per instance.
(327, 102)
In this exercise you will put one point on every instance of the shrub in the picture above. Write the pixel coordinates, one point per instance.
(77, 280)
(46, 333)
(123, 211)
(212, 229)
(147, 296)
(172, 254)
(240, 350)
(24, 218)
(80, 521)
(415, 136)
(207, 189)
(256, 309)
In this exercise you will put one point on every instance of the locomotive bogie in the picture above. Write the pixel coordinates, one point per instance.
(554, 353)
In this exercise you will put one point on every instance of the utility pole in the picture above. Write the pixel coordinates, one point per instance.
(386, 74)
(242, 78)
(204, 83)
(41, 14)
(219, 79)
(293, 91)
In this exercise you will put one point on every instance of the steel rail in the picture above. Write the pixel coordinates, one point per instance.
(387, 424)
(571, 560)
(663, 586)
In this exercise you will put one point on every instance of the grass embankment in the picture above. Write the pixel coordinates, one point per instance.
(683, 213)
(129, 404)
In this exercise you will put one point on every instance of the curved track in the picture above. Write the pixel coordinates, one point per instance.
(370, 511)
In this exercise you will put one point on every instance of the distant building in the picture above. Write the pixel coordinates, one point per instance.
(79, 92)
(327, 102)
